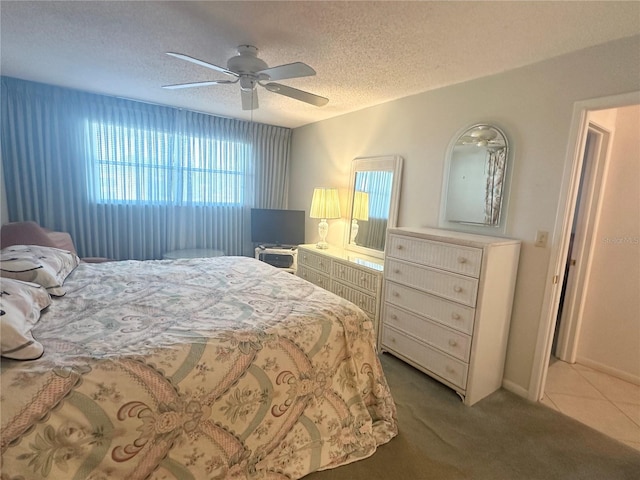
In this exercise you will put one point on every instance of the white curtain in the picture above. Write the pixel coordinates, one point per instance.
(130, 180)
(496, 163)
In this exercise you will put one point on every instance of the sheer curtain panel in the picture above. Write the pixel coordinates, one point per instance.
(131, 180)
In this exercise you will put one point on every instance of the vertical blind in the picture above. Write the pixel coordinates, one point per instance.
(130, 180)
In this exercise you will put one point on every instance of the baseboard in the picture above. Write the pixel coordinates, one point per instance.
(515, 388)
(626, 376)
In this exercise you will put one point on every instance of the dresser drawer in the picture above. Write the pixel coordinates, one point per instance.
(355, 276)
(439, 363)
(458, 288)
(435, 334)
(313, 276)
(453, 258)
(315, 261)
(361, 299)
(448, 313)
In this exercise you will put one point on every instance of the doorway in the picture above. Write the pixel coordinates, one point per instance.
(580, 243)
(589, 377)
(562, 231)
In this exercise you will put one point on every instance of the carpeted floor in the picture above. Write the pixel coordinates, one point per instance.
(501, 437)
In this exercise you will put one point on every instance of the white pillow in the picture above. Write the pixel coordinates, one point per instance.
(20, 306)
(46, 266)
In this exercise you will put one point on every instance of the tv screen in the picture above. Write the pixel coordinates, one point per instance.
(270, 227)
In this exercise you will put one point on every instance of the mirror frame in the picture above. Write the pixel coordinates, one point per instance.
(392, 163)
(488, 229)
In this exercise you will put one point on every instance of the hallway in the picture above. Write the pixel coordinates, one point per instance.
(603, 402)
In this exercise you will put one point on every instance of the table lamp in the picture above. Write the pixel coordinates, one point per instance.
(324, 204)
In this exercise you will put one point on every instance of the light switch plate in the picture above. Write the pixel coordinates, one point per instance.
(541, 238)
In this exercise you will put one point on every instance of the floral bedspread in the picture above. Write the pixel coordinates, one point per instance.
(221, 368)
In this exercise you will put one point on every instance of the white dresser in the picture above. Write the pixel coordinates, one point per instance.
(447, 305)
(355, 277)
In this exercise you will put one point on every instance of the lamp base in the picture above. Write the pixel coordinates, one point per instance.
(354, 230)
(323, 229)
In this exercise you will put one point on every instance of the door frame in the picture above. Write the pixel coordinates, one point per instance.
(588, 204)
(562, 232)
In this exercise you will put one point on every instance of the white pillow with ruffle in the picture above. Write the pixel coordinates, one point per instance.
(20, 307)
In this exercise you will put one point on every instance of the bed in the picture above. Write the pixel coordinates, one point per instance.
(217, 368)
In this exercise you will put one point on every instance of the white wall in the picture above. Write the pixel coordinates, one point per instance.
(533, 105)
(610, 333)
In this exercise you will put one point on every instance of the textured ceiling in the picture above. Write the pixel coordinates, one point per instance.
(364, 53)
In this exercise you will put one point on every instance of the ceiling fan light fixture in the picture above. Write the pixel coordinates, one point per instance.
(247, 83)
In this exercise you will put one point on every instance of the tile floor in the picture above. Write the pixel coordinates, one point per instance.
(603, 402)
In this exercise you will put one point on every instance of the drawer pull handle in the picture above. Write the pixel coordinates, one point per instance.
(362, 278)
(457, 289)
(395, 294)
(393, 339)
(450, 369)
(455, 316)
(462, 260)
(400, 247)
(452, 343)
(397, 270)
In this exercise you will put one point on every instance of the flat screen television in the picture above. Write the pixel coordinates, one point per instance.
(275, 228)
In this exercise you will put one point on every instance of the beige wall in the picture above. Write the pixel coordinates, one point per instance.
(610, 333)
(534, 105)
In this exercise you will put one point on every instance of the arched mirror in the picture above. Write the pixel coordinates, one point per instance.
(477, 167)
(374, 191)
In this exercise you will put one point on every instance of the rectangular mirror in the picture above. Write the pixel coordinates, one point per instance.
(374, 192)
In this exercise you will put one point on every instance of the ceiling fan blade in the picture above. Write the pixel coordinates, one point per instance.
(198, 84)
(202, 63)
(307, 97)
(249, 99)
(290, 70)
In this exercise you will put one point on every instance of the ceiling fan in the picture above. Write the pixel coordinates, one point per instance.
(482, 136)
(250, 71)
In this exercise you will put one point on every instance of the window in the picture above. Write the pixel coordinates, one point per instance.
(145, 166)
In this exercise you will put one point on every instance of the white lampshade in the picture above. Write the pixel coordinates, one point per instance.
(325, 203)
(360, 206)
